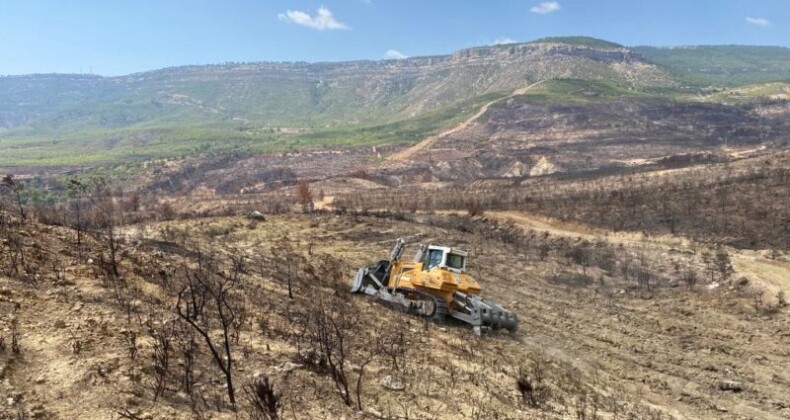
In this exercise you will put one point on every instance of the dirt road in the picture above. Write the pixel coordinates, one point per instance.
(772, 275)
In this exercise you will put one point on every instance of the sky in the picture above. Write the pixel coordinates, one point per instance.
(116, 37)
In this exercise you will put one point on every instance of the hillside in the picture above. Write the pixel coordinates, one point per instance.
(255, 105)
(560, 126)
(582, 125)
(607, 328)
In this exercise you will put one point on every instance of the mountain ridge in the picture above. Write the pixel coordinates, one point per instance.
(567, 40)
(263, 106)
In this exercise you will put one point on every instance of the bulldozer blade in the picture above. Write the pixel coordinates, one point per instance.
(366, 282)
(356, 287)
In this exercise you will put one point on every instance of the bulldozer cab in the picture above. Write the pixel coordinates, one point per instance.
(445, 257)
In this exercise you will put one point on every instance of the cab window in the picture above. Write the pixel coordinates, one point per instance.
(434, 258)
(455, 261)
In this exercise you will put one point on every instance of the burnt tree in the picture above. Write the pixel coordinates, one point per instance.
(208, 301)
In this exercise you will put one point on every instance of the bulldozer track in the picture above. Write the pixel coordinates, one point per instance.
(439, 313)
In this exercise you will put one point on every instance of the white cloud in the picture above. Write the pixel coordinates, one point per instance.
(758, 21)
(545, 8)
(394, 55)
(504, 40)
(323, 19)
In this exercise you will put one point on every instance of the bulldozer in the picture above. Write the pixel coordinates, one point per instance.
(435, 285)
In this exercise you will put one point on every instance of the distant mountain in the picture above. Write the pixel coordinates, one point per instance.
(722, 65)
(309, 92)
(265, 106)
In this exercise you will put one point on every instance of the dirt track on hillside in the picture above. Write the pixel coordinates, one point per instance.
(772, 275)
(409, 153)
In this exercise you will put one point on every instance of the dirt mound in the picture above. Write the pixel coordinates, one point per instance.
(543, 167)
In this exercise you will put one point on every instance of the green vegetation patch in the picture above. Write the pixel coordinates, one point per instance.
(749, 94)
(580, 41)
(728, 65)
(405, 131)
(149, 141)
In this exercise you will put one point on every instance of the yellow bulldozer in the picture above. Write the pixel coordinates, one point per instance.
(435, 285)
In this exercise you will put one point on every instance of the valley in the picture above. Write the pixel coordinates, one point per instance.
(181, 243)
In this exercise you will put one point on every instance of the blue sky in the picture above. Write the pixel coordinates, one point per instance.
(113, 37)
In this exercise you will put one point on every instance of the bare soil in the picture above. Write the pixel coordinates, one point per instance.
(608, 347)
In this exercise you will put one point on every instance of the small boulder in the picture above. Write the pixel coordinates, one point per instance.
(392, 383)
(60, 324)
(289, 367)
